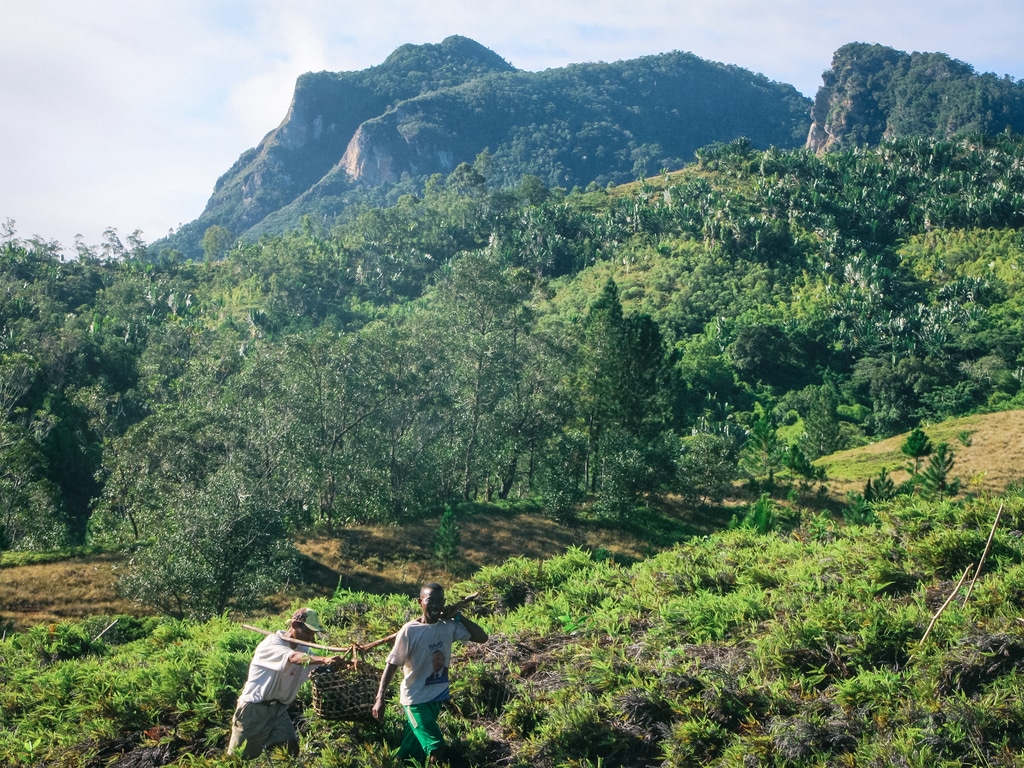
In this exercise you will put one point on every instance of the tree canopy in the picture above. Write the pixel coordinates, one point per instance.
(475, 343)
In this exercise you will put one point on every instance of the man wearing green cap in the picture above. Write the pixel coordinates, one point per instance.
(280, 665)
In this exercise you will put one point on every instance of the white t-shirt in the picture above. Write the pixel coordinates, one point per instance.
(271, 676)
(424, 652)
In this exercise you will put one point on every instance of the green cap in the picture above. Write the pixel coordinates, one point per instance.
(308, 617)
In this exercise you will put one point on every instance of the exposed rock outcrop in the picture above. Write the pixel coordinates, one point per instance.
(873, 93)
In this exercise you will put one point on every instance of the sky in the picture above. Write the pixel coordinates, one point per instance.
(123, 114)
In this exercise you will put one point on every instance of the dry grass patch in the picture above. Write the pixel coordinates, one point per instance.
(382, 559)
(993, 460)
(61, 591)
(375, 559)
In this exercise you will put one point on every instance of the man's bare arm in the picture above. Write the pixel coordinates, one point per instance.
(477, 634)
(385, 680)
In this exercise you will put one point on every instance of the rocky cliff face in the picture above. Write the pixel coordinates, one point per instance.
(325, 111)
(848, 108)
(366, 159)
(873, 93)
(386, 147)
(324, 116)
(578, 124)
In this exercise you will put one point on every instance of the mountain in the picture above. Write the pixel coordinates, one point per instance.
(367, 137)
(356, 136)
(873, 92)
(326, 111)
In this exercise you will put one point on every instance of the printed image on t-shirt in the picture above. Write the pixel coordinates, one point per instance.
(440, 672)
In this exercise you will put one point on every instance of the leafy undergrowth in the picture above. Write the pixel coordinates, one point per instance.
(803, 648)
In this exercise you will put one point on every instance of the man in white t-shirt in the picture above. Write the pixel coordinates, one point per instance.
(423, 649)
(279, 666)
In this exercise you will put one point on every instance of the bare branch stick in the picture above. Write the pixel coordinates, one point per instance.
(334, 648)
(948, 601)
(988, 545)
(448, 613)
(101, 634)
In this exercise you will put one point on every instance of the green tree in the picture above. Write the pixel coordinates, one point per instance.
(881, 488)
(631, 470)
(331, 385)
(762, 452)
(797, 462)
(222, 546)
(559, 476)
(647, 392)
(484, 320)
(32, 515)
(760, 516)
(31, 512)
(405, 458)
(622, 371)
(706, 467)
(600, 371)
(535, 407)
(448, 539)
(822, 434)
(216, 242)
(916, 447)
(763, 352)
(936, 480)
(223, 412)
(173, 449)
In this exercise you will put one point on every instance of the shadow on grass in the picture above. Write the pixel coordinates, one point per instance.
(666, 525)
(663, 529)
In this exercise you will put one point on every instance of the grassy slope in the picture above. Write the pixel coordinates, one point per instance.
(801, 649)
(992, 460)
(374, 559)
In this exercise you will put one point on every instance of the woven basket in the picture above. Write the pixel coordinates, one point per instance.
(345, 690)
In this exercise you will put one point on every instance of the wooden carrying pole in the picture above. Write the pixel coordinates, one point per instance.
(949, 599)
(334, 648)
(449, 611)
(988, 546)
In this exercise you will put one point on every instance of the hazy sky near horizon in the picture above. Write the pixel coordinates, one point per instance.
(123, 113)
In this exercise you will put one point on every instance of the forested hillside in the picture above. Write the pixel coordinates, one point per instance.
(353, 140)
(589, 352)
